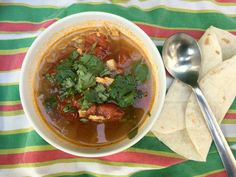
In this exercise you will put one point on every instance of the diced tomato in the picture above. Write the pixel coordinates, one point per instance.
(102, 49)
(75, 101)
(71, 116)
(91, 110)
(110, 111)
(101, 41)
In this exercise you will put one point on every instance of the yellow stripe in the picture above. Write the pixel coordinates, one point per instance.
(13, 51)
(81, 173)
(13, 70)
(10, 132)
(229, 121)
(91, 160)
(19, 32)
(31, 6)
(27, 149)
(11, 113)
(30, 21)
(9, 84)
(10, 102)
(159, 153)
(150, 134)
(231, 139)
(231, 111)
(213, 1)
(212, 172)
(132, 6)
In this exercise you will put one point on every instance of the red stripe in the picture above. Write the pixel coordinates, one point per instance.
(226, 1)
(218, 174)
(165, 33)
(42, 156)
(22, 27)
(10, 62)
(10, 107)
(150, 30)
(153, 31)
(230, 116)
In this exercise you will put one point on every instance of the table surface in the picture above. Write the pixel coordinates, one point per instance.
(24, 153)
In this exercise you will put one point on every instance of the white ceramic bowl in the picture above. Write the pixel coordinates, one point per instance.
(57, 30)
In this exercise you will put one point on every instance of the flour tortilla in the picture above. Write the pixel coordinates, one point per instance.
(172, 117)
(227, 42)
(219, 88)
(170, 128)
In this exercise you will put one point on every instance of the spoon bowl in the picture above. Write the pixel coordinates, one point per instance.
(182, 58)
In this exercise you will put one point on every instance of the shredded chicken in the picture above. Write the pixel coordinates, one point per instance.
(96, 118)
(111, 64)
(80, 51)
(82, 113)
(104, 80)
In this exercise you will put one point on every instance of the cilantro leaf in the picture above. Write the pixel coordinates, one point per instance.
(69, 108)
(50, 77)
(93, 64)
(74, 54)
(98, 94)
(50, 103)
(123, 90)
(64, 71)
(67, 83)
(85, 104)
(140, 71)
(85, 80)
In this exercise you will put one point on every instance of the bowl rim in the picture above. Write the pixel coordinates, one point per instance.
(162, 83)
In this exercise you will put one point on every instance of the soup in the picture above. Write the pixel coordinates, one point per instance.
(94, 87)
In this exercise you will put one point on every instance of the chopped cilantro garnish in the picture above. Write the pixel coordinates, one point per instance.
(50, 103)
(77, 75)
(74, 55)
(140, 71)
(84, 120)
(50, 78)
(69, 108)
(67, 83)
(93, 64)
(123, 90)
(85, 80)
(93, 46)
(99, 94)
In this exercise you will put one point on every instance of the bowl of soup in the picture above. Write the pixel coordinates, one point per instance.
(92, 84)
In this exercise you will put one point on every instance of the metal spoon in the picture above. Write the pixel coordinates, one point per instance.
(182, 58)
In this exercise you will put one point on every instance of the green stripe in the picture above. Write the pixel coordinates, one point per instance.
(9, 93)
(160, 16)
(15, 43)
(233, 106)
(186, 169)
(21, 140)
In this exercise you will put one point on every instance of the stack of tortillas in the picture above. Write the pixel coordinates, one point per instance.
(181, 125)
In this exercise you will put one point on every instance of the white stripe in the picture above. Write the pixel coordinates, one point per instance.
(4, 36)
(158, 42)
(9, 76)
(233, 146)
(72, 167)
(229, 130)
(13, 122)
(177, 4)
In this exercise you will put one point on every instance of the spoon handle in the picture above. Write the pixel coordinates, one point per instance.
(216, 133)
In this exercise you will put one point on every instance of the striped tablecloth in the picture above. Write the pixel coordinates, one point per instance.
(24, 153)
